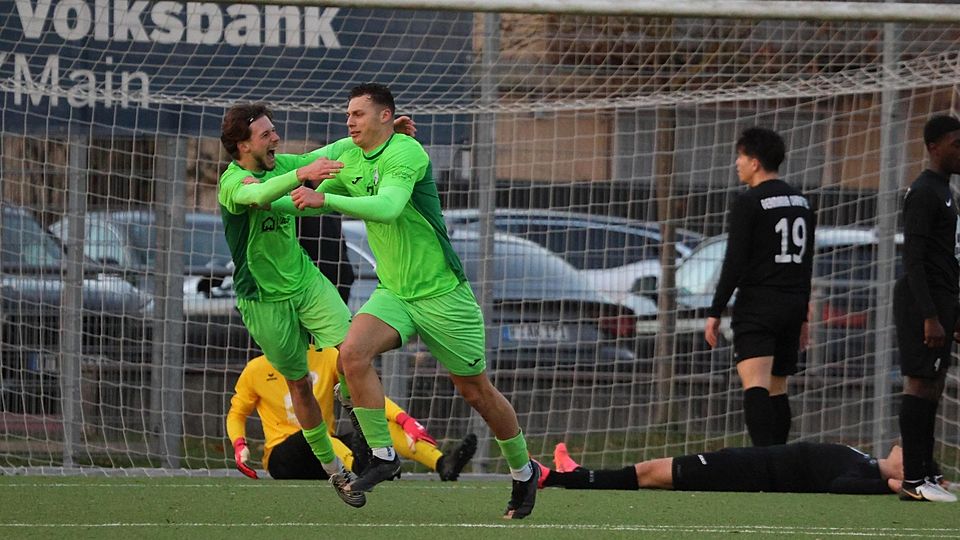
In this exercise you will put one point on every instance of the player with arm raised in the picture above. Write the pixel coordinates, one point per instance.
(387, 181)
(287, 455)
(785, 468)
(281, 294)
(769, 261)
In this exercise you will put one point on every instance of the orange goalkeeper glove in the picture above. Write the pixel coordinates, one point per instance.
(241, 454)
(414, 431)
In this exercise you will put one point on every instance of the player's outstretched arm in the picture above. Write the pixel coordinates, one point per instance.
(242, 404)
(384, 207)
(261, 194)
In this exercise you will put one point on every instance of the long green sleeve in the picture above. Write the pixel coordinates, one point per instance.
(384, 207)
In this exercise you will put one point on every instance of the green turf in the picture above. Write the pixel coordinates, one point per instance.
(77, 507)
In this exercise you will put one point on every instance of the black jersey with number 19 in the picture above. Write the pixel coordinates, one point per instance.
(769, 245)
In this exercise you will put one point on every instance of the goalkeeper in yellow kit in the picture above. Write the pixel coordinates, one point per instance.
(286, 453)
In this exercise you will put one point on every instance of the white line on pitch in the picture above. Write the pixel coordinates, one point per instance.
(752, 529)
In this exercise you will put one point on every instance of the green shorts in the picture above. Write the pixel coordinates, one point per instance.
(283, 329)
(451, 325)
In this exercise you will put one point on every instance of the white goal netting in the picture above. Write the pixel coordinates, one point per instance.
(605, 144)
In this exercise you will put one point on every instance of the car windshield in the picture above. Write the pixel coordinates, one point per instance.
(204, 244)
(24, 243)
(697, 273)
(524, 271)
(587, 248)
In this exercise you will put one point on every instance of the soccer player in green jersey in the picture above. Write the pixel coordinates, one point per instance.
(281, 294)
(387, 181)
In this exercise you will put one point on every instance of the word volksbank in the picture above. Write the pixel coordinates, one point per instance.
(121, 24)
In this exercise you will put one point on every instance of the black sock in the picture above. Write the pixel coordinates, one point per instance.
(914, 434)
(580, 478)
(930, 427)
(782, 418)
(758, 415)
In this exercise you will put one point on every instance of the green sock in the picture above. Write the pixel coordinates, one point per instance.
(320, 443)
(515, 451)
(344, 389)
(373, 422)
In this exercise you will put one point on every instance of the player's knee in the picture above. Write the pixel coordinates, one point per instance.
(478, 392)
(353, 361)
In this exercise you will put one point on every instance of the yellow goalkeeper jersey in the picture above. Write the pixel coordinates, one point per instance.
(262, 388)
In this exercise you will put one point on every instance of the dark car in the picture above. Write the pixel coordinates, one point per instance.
(547, 326)
(842, 300)
(613, 253)
(127, 240)
(112, 316)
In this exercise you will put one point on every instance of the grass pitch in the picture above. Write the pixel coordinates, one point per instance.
(80, 507)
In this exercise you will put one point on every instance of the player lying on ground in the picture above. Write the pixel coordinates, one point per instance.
(786, 468)
(286, 453)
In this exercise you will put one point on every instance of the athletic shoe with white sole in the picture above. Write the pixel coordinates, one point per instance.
(926, 491)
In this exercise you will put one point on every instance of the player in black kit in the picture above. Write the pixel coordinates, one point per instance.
(785, 468)
(925, 303)
(769, 260)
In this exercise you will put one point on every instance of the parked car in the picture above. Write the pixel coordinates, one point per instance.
(842, 300)
(613, 253)
(128, 240)
(545, 314)
(112, 316)
(547, 331)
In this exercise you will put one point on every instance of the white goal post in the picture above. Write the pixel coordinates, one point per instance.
(596, 137)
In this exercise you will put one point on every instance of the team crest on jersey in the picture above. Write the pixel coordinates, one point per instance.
(376, 176)
(274, 222)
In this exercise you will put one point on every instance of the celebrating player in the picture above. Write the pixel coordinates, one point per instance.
(925, 304)
(286, 453)
(788, 468)
(769, 260)
(387, 181)
(281, 294)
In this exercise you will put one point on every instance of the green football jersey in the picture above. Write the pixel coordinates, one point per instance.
(269, 264)
(414, 256)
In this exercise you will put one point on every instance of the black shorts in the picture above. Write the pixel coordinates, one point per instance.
(293, 459)
(768, 324)
(916, 359)
(730, 469)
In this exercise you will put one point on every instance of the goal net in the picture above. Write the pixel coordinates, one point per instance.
(585, 163)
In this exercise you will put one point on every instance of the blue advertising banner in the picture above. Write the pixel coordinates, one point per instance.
(171, 67)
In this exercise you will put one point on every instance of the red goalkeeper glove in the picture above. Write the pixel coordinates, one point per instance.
(414, 431)
(241, 454)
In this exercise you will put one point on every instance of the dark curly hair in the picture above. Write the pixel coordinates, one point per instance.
(236, 125)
